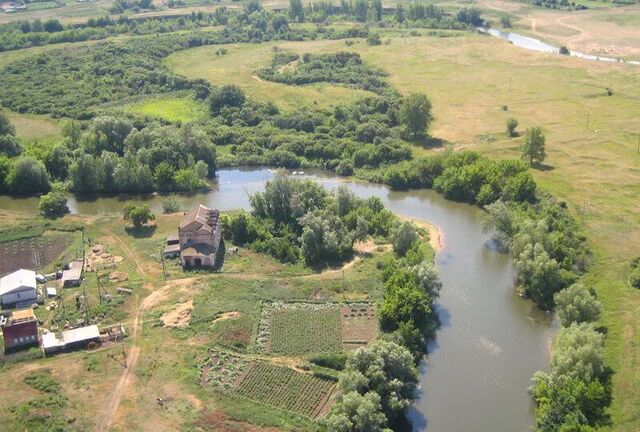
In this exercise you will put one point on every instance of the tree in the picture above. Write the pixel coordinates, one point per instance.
(577, 353)
(567, 404)
(29, 176)
(5, 171)
(512, 124)
(415, 114)
(361, 10)
(376, 6)
(354, 412)
(6, 128)
(387, 369)
(403, 238)
(164, 176)
(296, 10)
(138, 214)
(399, 13)
(10, 146)
(539, 275)
(577, 304)
(505, 20)
(533, 147)
(53, 204)
(226, 96)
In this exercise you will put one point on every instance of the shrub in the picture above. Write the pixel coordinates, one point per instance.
(634, 278)
(577, 304)
(53, 204)
(512, 124)
(334, 361)
(171, 205)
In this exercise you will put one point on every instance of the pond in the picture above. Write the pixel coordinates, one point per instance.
(491, 341)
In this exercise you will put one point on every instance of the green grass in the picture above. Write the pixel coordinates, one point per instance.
(239, 67)
(171, 108)
(306, 329)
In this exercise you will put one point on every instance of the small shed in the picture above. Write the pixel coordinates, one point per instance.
(73, 276)
(18, 289)
(51, 292)
(20, 330)
(78, 338)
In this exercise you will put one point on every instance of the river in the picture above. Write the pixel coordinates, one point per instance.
(537, 45)
(491, 341)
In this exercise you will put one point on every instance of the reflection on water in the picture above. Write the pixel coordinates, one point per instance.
(537, 45)
(490, 342)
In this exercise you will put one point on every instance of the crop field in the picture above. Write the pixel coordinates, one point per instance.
(222, 370)
(304, 328)
(285, 388)
(359, 325)
(277, 386)
(33, 253)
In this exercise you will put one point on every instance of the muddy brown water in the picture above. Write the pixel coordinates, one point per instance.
(491, 341)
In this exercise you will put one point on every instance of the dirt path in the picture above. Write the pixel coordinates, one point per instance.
(132, 256)
(257, 78)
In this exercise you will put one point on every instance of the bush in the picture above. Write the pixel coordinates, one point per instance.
(53, 204)
(334, 361)
(374, 39)
(403, 238)
(634, 278)
(577, 304)
(171, 205)
(512, 124)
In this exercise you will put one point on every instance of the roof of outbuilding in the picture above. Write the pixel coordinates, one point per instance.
(207, 218)
(17, 279)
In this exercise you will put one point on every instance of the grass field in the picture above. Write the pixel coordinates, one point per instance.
(239, 67)
(174, 109)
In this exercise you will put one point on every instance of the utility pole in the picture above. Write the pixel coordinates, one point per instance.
(86, 303)
(124, 353)
(164, 268)
(99, 287)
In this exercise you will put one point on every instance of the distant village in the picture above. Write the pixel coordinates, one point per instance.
(197, 244)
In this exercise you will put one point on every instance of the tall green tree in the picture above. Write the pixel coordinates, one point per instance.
(533, 148)
(577, 304)
(361, 10)
(296, 10)
(415, 114)
(6, 127)
(29, 176)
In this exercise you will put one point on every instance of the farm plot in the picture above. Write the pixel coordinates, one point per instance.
(359, 325)
(222, 370)
(285, 388)
(33, 253)
(299, 328)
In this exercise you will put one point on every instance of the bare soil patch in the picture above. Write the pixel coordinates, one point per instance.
(225, 315)
(180, 316)
(118, 276)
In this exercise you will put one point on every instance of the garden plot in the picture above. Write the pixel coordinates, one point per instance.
(285, 388)
(272, 385)
(308, 328)
(33, 253)
(359, 325)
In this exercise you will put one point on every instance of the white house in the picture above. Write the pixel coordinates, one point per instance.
(18, 289)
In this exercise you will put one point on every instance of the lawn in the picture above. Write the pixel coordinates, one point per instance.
(170, 108)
